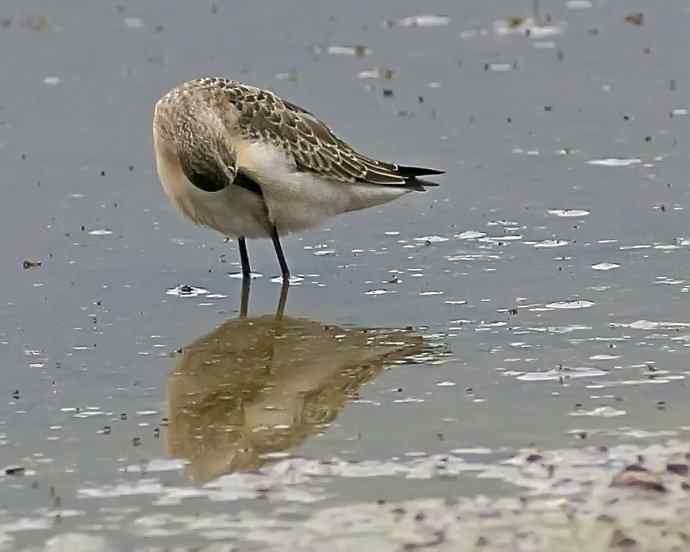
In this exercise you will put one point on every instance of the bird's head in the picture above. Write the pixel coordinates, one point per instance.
(193, 128)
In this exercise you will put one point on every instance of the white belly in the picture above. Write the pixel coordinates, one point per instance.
(234, 211)
(300, 200)
(292, 200)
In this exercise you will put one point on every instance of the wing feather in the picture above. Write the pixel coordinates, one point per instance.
(313, 146)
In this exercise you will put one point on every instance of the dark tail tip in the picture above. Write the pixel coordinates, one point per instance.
(412, 172)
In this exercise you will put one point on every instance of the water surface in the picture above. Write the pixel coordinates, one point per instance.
(536, 300)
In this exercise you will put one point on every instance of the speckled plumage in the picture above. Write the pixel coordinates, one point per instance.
(250, 164)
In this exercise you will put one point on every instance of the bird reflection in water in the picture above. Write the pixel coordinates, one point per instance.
(254, 387)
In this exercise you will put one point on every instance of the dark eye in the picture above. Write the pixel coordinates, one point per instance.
(208, 182)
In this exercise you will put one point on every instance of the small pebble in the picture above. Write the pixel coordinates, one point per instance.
(28, 263)
(14, 470)
(635, 18)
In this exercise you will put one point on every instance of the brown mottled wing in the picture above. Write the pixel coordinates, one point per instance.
(313, 145)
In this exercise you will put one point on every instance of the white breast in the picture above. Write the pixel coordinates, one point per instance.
(234, 211)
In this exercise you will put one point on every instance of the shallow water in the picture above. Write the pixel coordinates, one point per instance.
(537, 298)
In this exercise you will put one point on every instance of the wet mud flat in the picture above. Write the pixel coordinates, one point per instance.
(627, 497)
(498, 364)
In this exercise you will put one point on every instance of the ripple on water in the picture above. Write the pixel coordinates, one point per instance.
(500, 239)
(605, 266)
(564, 372)
(578, 4)
(600, 412)
(357, 50)
(470, 235)
(186, 291)
(570, 305)
(604, 357)
(500, 67)
(431, 239)
(568, 213)
(549, 243)
(423, 20)
(473, 257)
(293, 281)
(615, 162)
(637, 246)
(559, 330)
(240, 276)
(650, 325)
(141, 487)
(156, 465)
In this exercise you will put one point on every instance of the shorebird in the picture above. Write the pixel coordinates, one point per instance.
(245, 162)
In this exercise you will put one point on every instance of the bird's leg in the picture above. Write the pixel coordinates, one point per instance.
(283, 298)
(279, 252)
(246, 277)
(246, 269)
(244, 302)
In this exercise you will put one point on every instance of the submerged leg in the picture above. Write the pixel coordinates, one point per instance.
(246, 269)
(246, 277)
(283, 298)
(279, 252)
(244, 302)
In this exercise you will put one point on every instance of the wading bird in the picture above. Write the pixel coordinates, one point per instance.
(249, 164)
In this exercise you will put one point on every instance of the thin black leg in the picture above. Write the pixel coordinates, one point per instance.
(283, 298)
(246, 269)
(279, 252)
(244, 302)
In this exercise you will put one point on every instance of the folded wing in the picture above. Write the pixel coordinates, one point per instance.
(314, 147)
